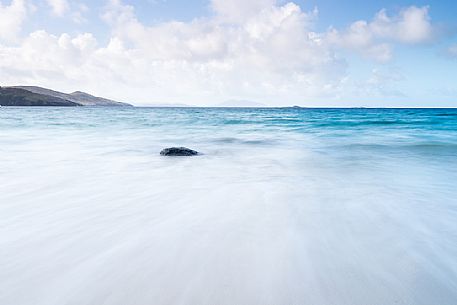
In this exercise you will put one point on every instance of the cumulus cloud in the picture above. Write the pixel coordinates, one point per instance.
(412, 25)
(240, 10)
(373, 38)
(272, 54)
(11, 18)
(59, 7)
(256, 50)
(73, 9)
(272, 51)
(359, 38)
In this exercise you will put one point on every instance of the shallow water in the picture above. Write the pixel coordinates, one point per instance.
(285, 206)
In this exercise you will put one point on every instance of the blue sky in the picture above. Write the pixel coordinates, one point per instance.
(305, 52)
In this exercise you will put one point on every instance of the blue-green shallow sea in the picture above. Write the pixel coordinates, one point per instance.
(284, 206)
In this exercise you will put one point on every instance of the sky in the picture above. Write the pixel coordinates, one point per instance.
(316, 53)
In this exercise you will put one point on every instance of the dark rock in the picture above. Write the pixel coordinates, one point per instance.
(178, 151)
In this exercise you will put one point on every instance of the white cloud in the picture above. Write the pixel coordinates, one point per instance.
(412, 25)
(64, 8)
(272, 52)
(78, 11)
(11, 18)
(240, 10)
(272, 56)
(374, 39)
(59, 7)
(268, 53)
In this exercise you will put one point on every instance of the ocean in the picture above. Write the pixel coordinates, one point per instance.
(283, 206)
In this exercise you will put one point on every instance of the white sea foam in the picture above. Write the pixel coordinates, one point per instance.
(271, 214)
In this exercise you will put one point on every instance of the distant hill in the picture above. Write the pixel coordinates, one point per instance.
(241, 103)
(20, 97)
(37, 96)
(175, 105)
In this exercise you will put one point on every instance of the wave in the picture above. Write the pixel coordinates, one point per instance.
(231, 140)
(362, 123)
(431, 146)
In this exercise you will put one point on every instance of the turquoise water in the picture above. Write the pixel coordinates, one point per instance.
(284, 206)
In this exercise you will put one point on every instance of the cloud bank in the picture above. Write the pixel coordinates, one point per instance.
(11, 18)
(257, 50)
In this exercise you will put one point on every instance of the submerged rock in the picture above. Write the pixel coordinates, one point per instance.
(178, 151)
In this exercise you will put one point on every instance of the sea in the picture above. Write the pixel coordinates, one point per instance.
(283, 206)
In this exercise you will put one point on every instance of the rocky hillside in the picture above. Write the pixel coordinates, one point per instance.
(37, 96)
(20, 97)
